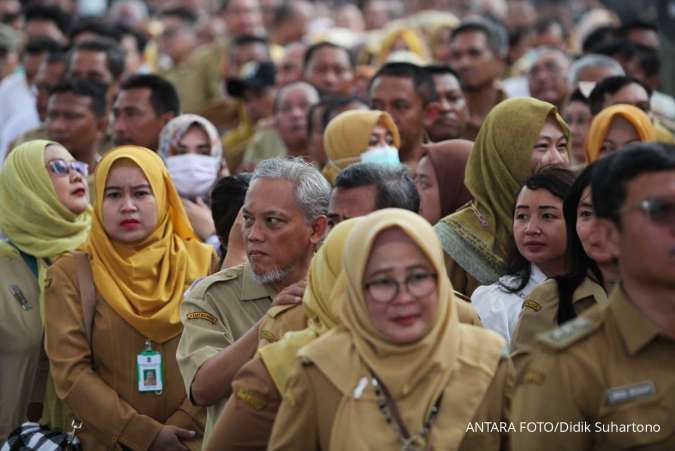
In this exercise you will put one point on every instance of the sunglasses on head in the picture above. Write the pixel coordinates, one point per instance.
(659, 210)
(62, 167)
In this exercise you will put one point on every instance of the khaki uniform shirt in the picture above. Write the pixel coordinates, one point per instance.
(98, 381)
(540, 314)
(266, 143)
(306, 422)
(609, 373)
(217, 311)
(462, 282)
(20, 338)
(279, 320)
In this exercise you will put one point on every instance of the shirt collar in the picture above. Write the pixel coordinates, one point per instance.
(587, 289)
(635, 329)
(537, 275)
(251, 289)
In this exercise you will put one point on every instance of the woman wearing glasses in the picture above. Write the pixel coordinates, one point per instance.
(45, 213)
(402, 372)
(142, 255)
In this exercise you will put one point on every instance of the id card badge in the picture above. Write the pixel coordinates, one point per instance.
(149, 370)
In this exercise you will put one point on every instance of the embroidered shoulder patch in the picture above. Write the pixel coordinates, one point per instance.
(568, 333)
(532, 305)
(533, 377)
(620, 395)
(202, 315)
(251, 398)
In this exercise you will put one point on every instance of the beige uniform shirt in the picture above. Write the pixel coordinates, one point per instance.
(540, 314)
(610, 374)
(217, 311)
(20, 337)
(266, 143)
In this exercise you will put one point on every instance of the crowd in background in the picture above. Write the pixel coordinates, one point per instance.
(253, 224)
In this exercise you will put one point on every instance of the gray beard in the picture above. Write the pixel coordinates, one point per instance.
(269, 277)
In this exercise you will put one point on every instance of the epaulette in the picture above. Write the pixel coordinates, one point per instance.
(199, 286)
(568, 334)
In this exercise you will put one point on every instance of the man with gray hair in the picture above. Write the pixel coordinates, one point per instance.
(284, 220)
(588, 70)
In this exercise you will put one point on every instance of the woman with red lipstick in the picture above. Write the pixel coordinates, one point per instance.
(45, 212)
(401, 372)
(538, 250)
(142, 255)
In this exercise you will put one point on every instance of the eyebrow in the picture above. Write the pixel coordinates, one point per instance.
(389, 269)
(145, 185)
(586, 204)
(541, 207)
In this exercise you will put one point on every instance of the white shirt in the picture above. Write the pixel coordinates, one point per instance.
(498, 308)
(16, 97)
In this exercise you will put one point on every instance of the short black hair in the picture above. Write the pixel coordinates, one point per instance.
(114, 55)
(578, 96)
(312, 49)
(636, 24)
(140, 38)
(50, 13)
(246, 39)
(556, 181)
(609, 86)
(227, 198)
(395, 188)
(443, 69)
(163, 94)
(335, 105)
(84, 88)
(497, 37)
(617, 169)
(94, 25)
(599, 39)
(42, 44)
(421, 78)
(187, 15)
(324, 103)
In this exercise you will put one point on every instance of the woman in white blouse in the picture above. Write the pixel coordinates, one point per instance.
(538, 250)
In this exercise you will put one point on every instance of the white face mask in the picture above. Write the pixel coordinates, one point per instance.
(385, 155)
(193, 174)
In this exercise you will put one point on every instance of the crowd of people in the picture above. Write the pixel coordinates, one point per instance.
(294, 225)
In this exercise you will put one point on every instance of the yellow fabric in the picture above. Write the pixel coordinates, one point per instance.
(414, 42)
(280, 357)
(144, 282)
(416, 373)
(498, 166)
(347, 135)
(603, 121)
(33, 218)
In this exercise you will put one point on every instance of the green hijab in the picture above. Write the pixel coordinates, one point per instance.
(39, 224)
(477, 236)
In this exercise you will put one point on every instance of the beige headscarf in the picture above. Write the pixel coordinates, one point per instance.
(416, 373)
(347, 136)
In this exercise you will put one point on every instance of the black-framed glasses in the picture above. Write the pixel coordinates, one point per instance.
(660, 210)
(62, 168)
(386, 289)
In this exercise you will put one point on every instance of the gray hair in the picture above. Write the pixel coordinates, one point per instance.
(592, 60)
(312, 190)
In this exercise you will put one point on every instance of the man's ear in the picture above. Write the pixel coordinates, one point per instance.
(430, 114)
(102, 124)
(166, 117)
(608, 240)
(319, 229)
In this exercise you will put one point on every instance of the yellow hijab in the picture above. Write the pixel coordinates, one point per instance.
(144, 282)
(34, 219)
(347, 136)
(603, 121)
(279, 357)
(416, 373)
(411, 38)
(497, 167)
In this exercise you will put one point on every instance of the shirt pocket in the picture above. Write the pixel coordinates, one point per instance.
(645, 424)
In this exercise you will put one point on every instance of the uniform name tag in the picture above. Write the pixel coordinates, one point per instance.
(619, 395)
(20, 297)
(149, 370)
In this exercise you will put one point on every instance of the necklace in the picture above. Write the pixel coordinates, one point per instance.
(392, 416)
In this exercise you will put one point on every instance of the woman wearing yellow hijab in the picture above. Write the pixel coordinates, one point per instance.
(616, 126)
(43, 193)
(248, 416)
(518, 137)
(351, 133)
(402, 372)
(404, 38)
(143, 255)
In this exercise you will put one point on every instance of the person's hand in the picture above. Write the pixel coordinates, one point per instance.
(200, 217)
(236, 247)
(292, 294)
(170, 439)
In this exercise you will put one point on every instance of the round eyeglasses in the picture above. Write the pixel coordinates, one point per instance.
(386, 289)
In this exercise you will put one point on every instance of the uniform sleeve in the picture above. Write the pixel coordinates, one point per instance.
(205, 334)
(549, 394)
(296, 426)
(111, 419)
(247, 419)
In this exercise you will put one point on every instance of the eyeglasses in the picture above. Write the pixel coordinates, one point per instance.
(62, 167)
(660, 211)
(386, 289)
